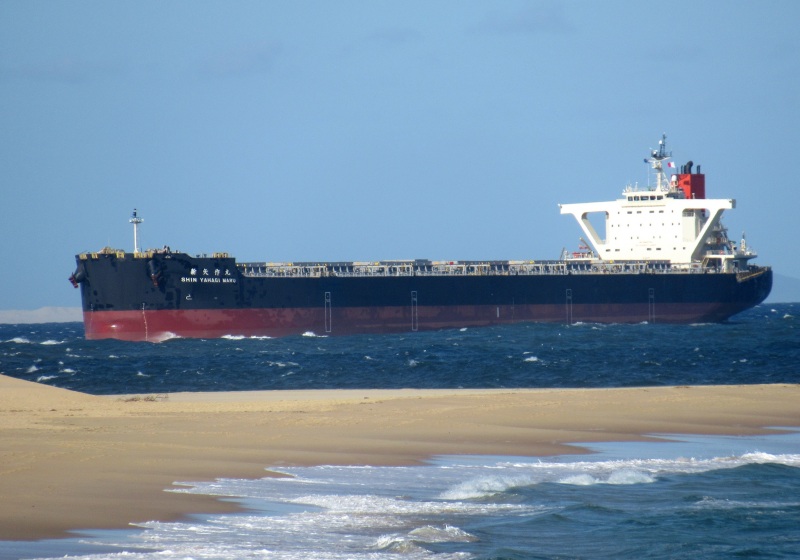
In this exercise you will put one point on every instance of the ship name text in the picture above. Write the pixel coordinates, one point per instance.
(204, 280)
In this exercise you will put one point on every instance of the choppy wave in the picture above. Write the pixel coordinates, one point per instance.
(244, 337)
(767, 349)
(233, 336)
(485, 486)
(588, 473)
(411, 541)
(447, 533)
(19, 340)
(624, 476)
(164, 337)
(467, 508)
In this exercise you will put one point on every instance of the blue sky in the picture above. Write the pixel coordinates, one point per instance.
(320, 130)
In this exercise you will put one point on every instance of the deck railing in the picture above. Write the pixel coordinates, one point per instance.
(462, 268)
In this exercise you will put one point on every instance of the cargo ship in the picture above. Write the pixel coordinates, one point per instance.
(659, 253)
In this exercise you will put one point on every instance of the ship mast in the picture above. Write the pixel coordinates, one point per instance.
(135, 220)
(656, 159)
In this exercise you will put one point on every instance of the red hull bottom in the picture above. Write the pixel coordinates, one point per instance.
(156, 326)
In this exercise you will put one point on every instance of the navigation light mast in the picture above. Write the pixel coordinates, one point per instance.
(135, 220)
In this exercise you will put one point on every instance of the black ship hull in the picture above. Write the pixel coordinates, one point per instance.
(156, 296)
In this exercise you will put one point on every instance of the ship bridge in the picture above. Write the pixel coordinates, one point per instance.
(647, 226)
(672, 221)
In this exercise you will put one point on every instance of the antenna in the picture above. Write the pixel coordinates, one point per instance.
(656, 158)
(135, 220)
(662, 149)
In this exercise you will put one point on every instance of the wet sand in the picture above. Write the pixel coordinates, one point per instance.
(73, 461)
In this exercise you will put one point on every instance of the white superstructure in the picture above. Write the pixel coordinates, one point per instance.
(671, 222)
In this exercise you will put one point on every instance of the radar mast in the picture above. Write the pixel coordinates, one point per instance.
(656, 159)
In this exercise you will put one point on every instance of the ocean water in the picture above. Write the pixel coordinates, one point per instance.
(686, 497)
(697, 497)
(761, 345)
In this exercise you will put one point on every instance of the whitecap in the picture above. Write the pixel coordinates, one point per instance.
(624, 476)
(485, 486)
(532, 359)
(140, 374)
(398, 544)
(629, 476)
(52, 342)
(43, 378)
(19, 340)
(163, 337)
(373, 524)
(579, 480)
(375, 510)
(32, 369)
(761, 458)
(428, 534)
(312, 334)
(66, 370)
(448, 533)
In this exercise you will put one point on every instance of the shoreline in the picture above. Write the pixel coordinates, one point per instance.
(71, 461)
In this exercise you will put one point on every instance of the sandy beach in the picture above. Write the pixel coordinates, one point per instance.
(74, 461)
